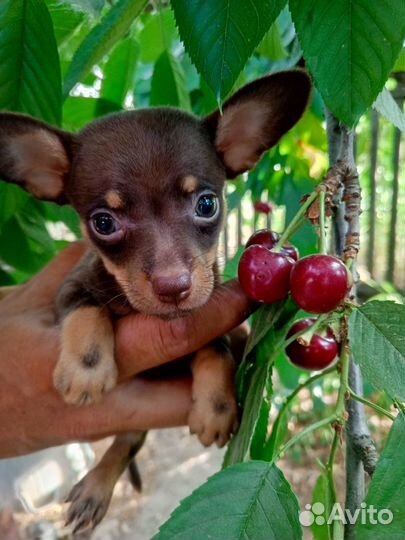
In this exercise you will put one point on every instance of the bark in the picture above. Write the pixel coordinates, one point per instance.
(360, 450)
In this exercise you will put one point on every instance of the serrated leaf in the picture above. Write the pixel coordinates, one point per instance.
(119, 72)
(387, 106)
(350, 49)
(169, 85)
(220, 35)
(112, 27)
(376, 333)
(250, 501)
(386, 491)
(30, 79)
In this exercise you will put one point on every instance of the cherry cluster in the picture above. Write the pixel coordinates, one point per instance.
(317, 283)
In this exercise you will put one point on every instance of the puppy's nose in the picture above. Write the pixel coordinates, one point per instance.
(172, 288)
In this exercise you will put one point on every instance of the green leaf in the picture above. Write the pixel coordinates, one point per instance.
(323, 494)
(388, 107)
(376, 333)
(90, 7)
(113, 26)
(30, 79)
(400, 63)
(5, 278)
(119, 72)
(386, 491)
(169, 85)
(292, 190)
(220, 35)
(250, 439)
(157, 35)
(277, 437)
(350, 48)
(66, 214)
(65, 19)
(79, 111)
(231, 267)
(16, 249)
(271, 45)
(264, 318)
(34, 228)
(12, 199)
(250, 501)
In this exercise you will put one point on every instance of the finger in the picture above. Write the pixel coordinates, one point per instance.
(139, 404)
(41, 289)
(144, 342)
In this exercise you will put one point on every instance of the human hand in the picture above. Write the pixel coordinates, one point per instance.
(33, 416)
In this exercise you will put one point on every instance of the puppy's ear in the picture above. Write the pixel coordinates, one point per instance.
(35, 156)
(256, 117)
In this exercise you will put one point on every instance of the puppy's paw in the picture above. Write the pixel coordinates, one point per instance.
(84, 379)
(214, 412)
(89, 500)
(214, 418)
(86, 368)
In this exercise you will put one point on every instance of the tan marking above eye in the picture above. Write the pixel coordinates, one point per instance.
(114, 199)
(189, 184)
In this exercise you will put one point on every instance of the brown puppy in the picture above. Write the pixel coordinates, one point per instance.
(148, 186)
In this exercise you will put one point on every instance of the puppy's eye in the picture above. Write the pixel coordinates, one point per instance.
(207, 206)
(106, 225)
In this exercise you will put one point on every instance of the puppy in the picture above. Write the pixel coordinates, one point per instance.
(148, 186)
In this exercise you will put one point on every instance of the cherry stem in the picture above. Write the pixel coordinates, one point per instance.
(400, 406)
(344, 391)
(295, 221)
(313, 427)
(304, 384)
(322, 229)
(372, 405)
(330, 464)
(320, 321)
(338, 416)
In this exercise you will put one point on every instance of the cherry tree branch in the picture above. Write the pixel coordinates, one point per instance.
(360, 450)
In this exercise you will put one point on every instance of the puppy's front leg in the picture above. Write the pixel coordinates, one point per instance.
(86, 367)
(214, 413)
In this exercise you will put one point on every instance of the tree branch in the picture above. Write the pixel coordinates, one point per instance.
(360, 449)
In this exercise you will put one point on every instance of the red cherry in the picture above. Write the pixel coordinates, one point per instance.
(265, 275)
(319, 353)
(291, 251)
(265, 238)
(269, 239)
(319, 283)
(262, 207)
